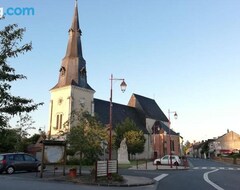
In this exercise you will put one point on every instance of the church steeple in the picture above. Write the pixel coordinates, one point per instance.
(74, 48)
(73, 67)
(72, 92)
(75, 21)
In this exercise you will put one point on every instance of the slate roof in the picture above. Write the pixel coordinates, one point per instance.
(73, 68)
(150, 108)
(119, 114)
(165, 128)
(159, 126)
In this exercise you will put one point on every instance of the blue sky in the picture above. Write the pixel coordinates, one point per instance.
(184, 54)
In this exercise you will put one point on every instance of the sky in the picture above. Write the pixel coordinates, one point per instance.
(184, 54)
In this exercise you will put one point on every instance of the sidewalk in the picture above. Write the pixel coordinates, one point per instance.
(137, 181)
(151, 166)
(129, 181)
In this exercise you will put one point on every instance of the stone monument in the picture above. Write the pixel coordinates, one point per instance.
(123, 153)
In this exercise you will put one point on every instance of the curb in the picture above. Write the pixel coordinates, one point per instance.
(125, 183)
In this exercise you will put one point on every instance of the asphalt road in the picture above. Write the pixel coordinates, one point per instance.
(203, 175)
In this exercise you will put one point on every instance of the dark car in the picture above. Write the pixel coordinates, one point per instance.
(11, 162)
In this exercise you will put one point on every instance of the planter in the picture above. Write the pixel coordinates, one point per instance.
(73, 172)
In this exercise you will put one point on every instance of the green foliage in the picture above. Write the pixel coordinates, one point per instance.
(73, 161)
(115, 178)
(135, 141)
(186, 146)
(9, 140)
(122, 128)
(34, 138)
(234, 155)
(84, 161)
(86, 135)
(10, 48)
(205, 148)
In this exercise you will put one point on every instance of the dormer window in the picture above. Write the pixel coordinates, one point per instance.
(62, 71)
(83, 71)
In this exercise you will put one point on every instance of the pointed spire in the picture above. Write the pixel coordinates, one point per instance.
(74, 48)
(75, 22)
(73, 68)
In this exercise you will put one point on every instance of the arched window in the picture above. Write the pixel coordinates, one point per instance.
(59, 121)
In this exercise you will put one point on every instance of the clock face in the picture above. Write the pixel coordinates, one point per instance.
(54, 154)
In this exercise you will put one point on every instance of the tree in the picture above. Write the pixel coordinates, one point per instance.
(85, 137)
(24, 124)
(135, 139)
(186, 146)
(9, 140)
(205, 148)
(10, 47)
(122, 128)
(15, 139)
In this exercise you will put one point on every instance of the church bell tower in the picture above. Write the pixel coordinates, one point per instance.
(72, 92)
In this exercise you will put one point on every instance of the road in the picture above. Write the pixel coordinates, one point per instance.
(203, 174)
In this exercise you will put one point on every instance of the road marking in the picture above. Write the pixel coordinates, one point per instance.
(160, 177)
(212, 168)
(205, 177)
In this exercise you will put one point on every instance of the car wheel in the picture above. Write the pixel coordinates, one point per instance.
(158, 162)
(10, 170)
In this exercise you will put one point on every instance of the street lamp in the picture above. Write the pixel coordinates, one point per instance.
(123, 86)
(169, 124)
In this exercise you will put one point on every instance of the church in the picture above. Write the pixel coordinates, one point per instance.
(72, 92)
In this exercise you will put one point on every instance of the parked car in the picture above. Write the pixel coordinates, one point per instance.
(11, 162)
(166, 160)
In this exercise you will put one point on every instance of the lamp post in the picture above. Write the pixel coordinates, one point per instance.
(123, 86)
(169, 124)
